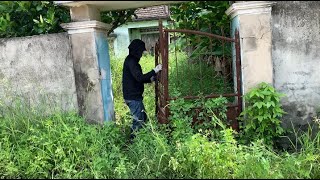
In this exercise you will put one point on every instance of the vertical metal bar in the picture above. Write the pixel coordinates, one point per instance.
(200, 64)
(160, 74)
(156, 82)
(198, 41)
(223, 70)
(238, 69)
(175, 52)
(211, 58)
(223, 61)
(189, 69)
(166, 73)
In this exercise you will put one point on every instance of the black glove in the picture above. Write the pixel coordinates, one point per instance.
(153, 78)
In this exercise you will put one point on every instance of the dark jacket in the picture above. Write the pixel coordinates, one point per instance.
(132, 77)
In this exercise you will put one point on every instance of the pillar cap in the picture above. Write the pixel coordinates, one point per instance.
(249, 7)
(85, 26)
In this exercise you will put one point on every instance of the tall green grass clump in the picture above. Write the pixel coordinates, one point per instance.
(60, 145)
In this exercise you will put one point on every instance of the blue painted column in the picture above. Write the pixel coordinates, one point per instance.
(102, 49)
(234, 27)
(92, 69)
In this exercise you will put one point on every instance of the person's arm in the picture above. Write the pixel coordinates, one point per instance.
(137, 73)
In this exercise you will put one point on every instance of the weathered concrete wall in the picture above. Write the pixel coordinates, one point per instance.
(296, 59)
(38, 68)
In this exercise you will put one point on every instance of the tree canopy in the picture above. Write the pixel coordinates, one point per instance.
(27, 18)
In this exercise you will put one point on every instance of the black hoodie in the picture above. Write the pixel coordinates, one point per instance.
(132, 76)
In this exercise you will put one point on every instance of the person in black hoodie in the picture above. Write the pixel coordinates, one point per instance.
(133, 84)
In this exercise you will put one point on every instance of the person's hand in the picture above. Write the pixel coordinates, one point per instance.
(153, 78)
(158, 68)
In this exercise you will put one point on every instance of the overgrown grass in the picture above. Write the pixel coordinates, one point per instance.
(63, 145)
(194, 77)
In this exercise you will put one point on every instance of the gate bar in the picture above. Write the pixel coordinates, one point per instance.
(238, 67)
(200, 33)
(208, 96)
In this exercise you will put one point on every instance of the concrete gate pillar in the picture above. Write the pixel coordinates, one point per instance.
(91, 55)
(91, 63)
(253, 20)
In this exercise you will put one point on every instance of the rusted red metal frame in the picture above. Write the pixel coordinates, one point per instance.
(156, 54)
(163, 80)
(163, 49)
(200, 33)
(238, 69)
(235, 123)
(166, 73)
(206, 97)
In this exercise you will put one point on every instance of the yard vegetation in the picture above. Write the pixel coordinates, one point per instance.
(63, 145)
(46, 142)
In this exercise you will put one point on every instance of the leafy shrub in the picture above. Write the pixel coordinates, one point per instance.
(207, 116)
(208, 15)
(27, 18)
(197, 157)
(262, 114)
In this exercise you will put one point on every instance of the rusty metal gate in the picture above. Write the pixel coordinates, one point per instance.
(197, 62)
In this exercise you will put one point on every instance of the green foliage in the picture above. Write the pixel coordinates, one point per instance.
(207, 16)
(206, 116)
(151, 151)
(200, 158)
(63, 145)
(58, 146)
(203, 51)
(193, 78)
(27, 18)
(117, 18)
(262, 114)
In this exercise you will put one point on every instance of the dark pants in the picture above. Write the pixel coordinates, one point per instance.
(138, 113)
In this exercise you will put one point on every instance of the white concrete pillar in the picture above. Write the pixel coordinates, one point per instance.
(253, 20)
(85, 13)
(91, 64)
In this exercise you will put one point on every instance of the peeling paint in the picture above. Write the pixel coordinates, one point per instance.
(105, 72)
